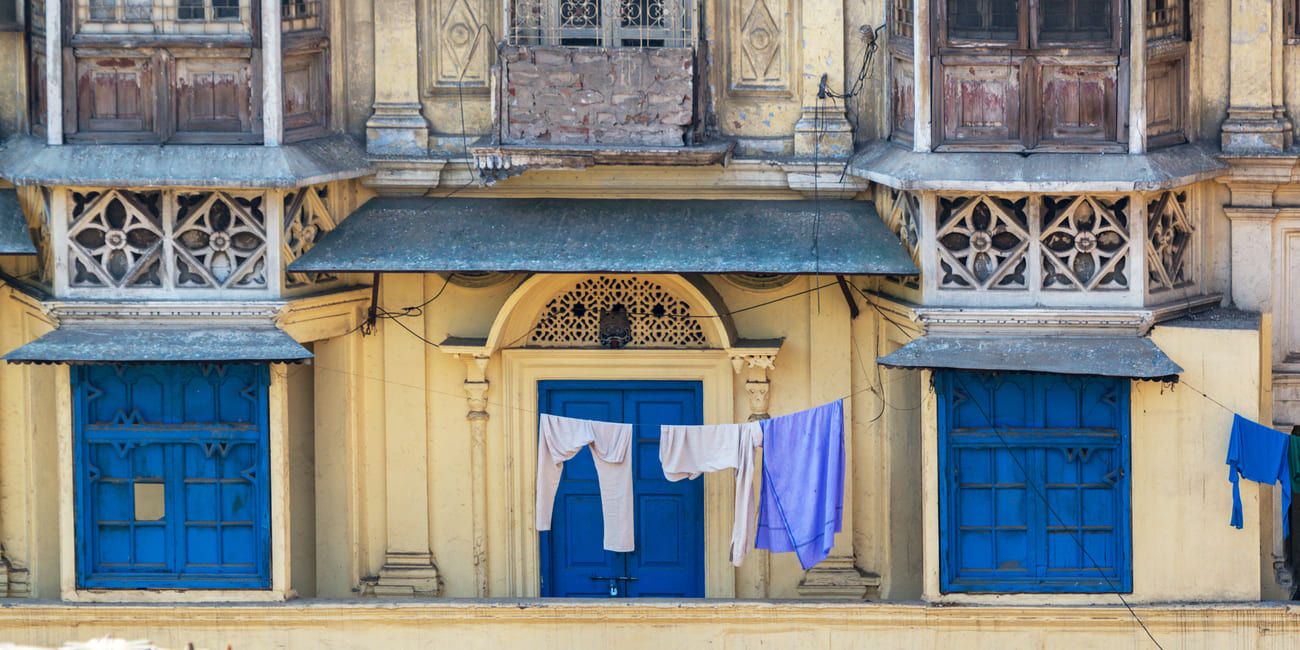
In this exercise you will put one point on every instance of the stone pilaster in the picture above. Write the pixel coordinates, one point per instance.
(831, 377)
(409, 569)
(1257, 120)
(397, 125)
(823, 130)
(476, 390)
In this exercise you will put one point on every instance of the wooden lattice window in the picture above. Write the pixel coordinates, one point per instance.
(901, 18)
(300, 15)
(190, 17)
(1166, 19)
(1017, 75)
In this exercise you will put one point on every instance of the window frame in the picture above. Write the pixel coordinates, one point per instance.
(1035, 441)
(1028, 39)
(174, 435)
(678, 31)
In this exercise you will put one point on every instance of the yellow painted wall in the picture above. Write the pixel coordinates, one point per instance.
(381, 455)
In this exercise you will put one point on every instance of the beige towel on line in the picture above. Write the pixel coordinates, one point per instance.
(561, 438)
(688, 451)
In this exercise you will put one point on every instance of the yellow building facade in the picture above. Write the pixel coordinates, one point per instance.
(285, 286)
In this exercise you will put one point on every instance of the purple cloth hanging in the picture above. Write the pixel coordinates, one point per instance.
(802, 502)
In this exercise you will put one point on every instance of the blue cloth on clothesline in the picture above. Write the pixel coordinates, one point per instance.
(802, 501)
(1259, 454)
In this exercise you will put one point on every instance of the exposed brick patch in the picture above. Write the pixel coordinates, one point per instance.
(592, 95)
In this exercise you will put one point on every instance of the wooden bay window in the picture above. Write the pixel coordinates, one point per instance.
(1013, 75)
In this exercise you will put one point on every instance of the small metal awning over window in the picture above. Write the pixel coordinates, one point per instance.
(14, 239)
(832, 237)
(162, 343)
(1106, 356)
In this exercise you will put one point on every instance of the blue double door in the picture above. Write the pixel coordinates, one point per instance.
(669, 517)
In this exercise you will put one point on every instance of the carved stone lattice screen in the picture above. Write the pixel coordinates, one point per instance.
(659, 318)
(307, 218)
(902, 212)
(1085, 242)
(1169, 242)
(1053, 243)
(36, 210)
(172, 242)
(220, 241)
(983, 242)
(115, 239)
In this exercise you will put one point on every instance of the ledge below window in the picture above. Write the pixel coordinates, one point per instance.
(505, 157)
(26, 160)
(901, 168)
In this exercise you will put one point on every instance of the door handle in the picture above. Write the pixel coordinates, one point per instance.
(613, 582)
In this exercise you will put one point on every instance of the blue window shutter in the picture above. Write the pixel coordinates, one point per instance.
(1036, 483)
(172, 470)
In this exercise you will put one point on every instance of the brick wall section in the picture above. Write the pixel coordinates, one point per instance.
(597, 96)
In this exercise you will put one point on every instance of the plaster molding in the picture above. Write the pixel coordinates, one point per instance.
(837, 578)
(1038, 321)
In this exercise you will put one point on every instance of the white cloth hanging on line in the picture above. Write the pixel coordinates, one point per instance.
(687, 451)
(558, 440)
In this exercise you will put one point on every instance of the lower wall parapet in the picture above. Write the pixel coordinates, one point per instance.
(492, 625)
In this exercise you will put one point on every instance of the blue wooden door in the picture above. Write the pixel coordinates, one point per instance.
(172, 476)
(669, 517)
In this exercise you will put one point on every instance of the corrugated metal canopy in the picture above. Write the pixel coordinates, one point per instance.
(14, 239)
(1107, 356)
(613, 236)
(161, 343)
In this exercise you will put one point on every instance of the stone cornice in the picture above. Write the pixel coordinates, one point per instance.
(1280, 618)
(1011, 321)
(164, 310)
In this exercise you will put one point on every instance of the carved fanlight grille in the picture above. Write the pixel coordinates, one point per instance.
(659, 318)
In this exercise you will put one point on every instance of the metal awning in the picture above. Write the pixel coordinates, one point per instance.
(1107, 356)
(161, 343)
(14, 239)
(833, 237)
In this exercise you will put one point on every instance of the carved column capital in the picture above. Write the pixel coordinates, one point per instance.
(757, 383)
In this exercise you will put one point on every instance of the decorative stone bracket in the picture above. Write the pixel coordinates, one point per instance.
(756, 363)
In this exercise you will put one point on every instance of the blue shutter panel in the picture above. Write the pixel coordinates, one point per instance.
(1036, 490)
(172, 476)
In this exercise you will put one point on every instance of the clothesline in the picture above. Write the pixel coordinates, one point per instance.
(530, 411)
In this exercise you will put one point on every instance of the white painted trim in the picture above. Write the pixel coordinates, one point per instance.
(272, 76)
(523, 368)
(1137, 80)
(54, 73)
(922, 70)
